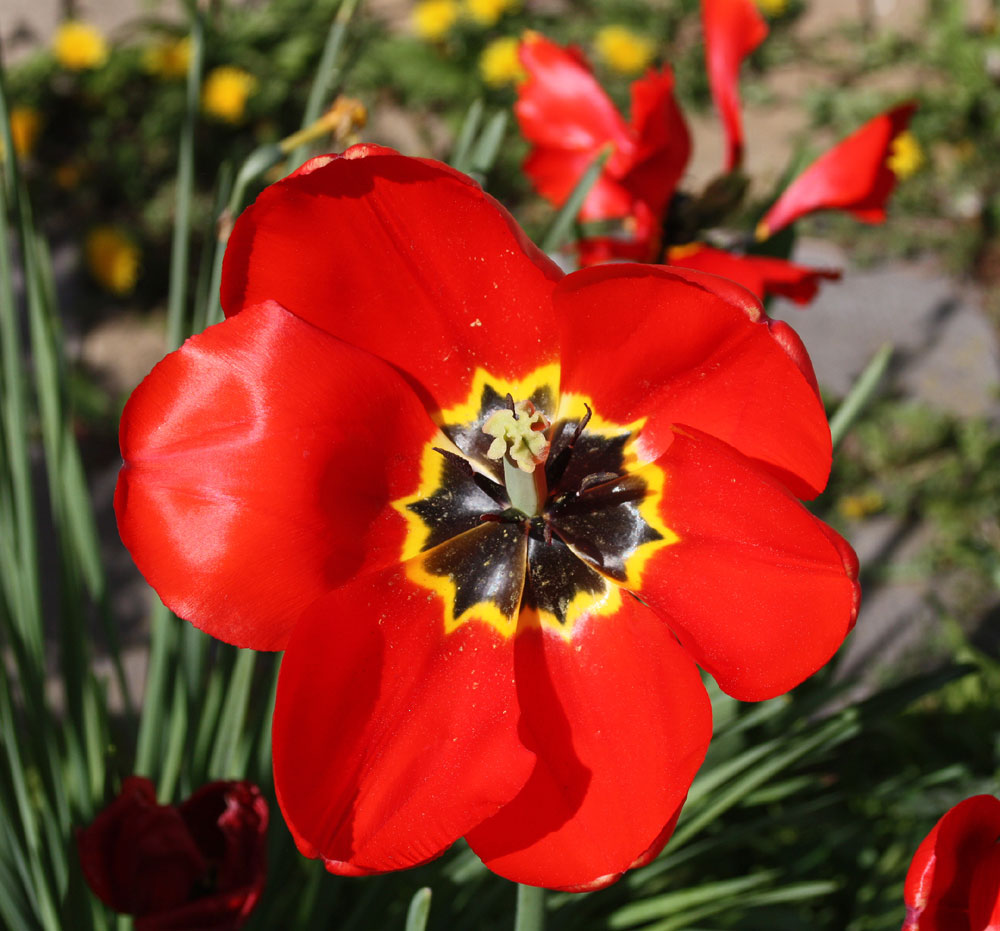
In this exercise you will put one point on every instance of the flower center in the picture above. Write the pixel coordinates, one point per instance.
(540, 514)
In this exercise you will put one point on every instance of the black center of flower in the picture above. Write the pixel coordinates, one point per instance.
(590, 526)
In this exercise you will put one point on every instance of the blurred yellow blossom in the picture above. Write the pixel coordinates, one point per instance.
(488, 12)
(67, 175)
(25, 125)
(906, 157)
(79, 46)
(226, 92)
(622, 50)
(112, 258)
(433, 19)
(168, 59)
(855, 507)
(773, 7)
(499, 64)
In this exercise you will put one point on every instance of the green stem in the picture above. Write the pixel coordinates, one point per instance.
(530, 909)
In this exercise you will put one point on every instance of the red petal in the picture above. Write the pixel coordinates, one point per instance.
(260, 460)
(677, 346)
(939, 881)
(853, 175)
(984, 896)
(404, 257)
(757, 590)
(762, 275)
(555, 172)
(391, 737)
(664, 143)
(593, 250)
(620, 722)
(733, 29)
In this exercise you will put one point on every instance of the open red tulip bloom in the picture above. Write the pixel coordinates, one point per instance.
(733, 29)
(200, 864)
(854, 176)
(495, 515)
(953, 883)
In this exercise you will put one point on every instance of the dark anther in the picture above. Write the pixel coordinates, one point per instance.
(494, 490)
(506, 516)
(547, 530)
(581, 426)
(556, 465)
(595, 479)
(510, 405)
(492, 517)
(460, 462)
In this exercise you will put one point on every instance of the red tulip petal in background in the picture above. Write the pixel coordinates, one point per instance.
(763, 275)
(940, 879)
(758, 591)
(852, 176)
(260, 460)
(393, 738)
(321, 242)
(620, 722)
(733, 29)
(555, 172)
(641, 341)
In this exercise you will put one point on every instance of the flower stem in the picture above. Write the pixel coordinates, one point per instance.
(530, 909)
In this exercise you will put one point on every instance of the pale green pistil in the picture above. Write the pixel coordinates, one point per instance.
(519, 441)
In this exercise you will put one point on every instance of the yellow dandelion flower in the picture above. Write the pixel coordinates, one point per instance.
(112, 258)
(499, 64)
(623, 50)
(168, 59)
(855, 507)
(488, 12)
(79, 46)
(906, 157)
(773, 8)
(433, 19)
(25, 125)
(226, 92)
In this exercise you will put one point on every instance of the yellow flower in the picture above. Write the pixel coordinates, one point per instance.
(79, 46)
(623, 50)
(433, 19)
(168, 59)
(488, 12)
(499, 64)
(773, 7)
(226, 91)
(855, 507)
(67, 175)
(113, 259)
(25, 125)
(906, 157)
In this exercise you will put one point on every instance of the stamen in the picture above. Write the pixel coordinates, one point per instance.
(521, 444)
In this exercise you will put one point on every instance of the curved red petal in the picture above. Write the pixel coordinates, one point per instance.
(620, 722)
(403, 257)
(759, 591)
(555, 172)
(984, 896)
(733, 29)
(260, 462)
(853, 175)
(938, 883)
(663, 145)
(676, 346)
(718, 262)
(593, 250)
(392, 738)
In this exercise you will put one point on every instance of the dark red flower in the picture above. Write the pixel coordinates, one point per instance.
(854, 176)
(953, 883)
(569, 120)
(497, 648)
(198, 866)
(733, 29)
(762, 275)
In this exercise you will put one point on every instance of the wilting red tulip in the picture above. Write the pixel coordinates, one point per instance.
(954, 880)
(762, 275)
(733, 29)
(854, 176)
(199, 865)
(494, 514)
(569, 120)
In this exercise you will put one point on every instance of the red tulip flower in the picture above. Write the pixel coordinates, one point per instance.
(733, 29)
(569, 120)
(954, 879)
(494, 515)
(197, 865)
(854, 176)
